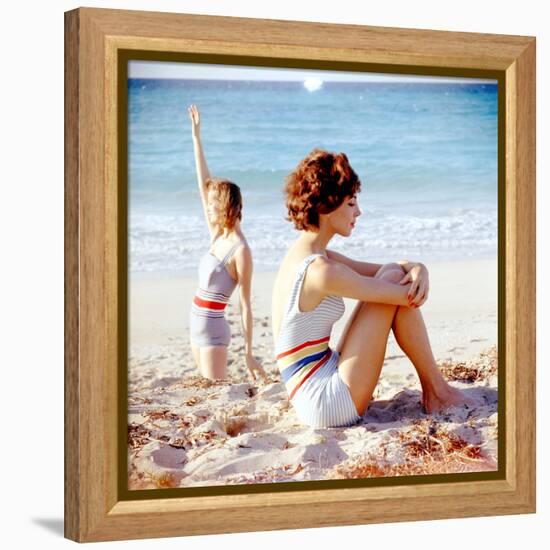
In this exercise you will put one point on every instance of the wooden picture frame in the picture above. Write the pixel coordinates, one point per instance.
(95, 41)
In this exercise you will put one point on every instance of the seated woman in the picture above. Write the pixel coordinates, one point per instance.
(227, 263)
(329, 387)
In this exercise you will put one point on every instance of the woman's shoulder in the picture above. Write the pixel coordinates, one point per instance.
(241, 251)
(320, 262)
(299, 258)
(240, 245)
(232, 242)
(297, 264)
(323, 269)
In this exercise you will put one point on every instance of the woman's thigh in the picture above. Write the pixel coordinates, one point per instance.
(363, 346)
(213, 361)
(391, 272)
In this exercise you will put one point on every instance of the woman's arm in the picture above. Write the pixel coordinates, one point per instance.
(415, 273)
(203, 173)
(363, 268)
(330, 277)
(243, 265)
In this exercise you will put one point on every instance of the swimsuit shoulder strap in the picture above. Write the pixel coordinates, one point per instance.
(298, 281)
(231, 252)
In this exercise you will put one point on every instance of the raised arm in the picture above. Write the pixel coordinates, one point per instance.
(200, 162)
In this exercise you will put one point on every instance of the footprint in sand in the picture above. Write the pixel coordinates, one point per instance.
(478, 339)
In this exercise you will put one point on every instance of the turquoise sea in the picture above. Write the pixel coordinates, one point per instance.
(426, 155)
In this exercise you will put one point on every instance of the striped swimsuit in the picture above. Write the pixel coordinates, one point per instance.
(208, 326)
(308, 366)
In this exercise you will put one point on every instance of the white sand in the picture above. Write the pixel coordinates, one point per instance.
(188, 432)
(460, 314)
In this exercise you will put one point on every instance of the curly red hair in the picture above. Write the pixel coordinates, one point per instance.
(230, 199)
(319, 185)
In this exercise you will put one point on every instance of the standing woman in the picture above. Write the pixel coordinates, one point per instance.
(227, 263)
(333, 387)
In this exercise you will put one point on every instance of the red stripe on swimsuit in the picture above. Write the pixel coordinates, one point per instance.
(209, 304)
(297, 348)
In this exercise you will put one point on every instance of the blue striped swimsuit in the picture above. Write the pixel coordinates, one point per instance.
(308, 366)
(207, 323)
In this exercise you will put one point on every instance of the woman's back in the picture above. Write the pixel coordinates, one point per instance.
(307, 365)
(307, 300)
(207, 323)
(302, 341)
(282, 289)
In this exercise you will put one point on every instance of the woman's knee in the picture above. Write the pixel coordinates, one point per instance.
(392, 266)
(391, 272)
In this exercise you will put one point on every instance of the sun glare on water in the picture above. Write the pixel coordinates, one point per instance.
(313, 84)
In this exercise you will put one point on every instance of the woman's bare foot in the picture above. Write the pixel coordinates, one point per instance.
(446, 396)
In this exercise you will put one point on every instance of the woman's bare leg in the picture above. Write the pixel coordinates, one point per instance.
(197, 357)
(363, 345)
(213, 362)
(385, 269)
(411, 335)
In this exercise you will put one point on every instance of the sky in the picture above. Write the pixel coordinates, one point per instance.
(195, 71)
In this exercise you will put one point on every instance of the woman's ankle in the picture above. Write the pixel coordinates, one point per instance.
(435, 384)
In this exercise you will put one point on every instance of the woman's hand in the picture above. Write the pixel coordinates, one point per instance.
(254, 367)
(419, 279)
(194, 115)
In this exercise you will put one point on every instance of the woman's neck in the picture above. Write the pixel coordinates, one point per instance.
(236, 229)
(316, 239)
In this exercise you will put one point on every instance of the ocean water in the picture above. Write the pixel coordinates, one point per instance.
(426, 155)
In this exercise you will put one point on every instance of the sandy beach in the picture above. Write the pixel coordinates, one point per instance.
(184, 430)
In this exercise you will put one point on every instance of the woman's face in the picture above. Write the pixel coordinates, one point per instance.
(212, 206)
(343, 218)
